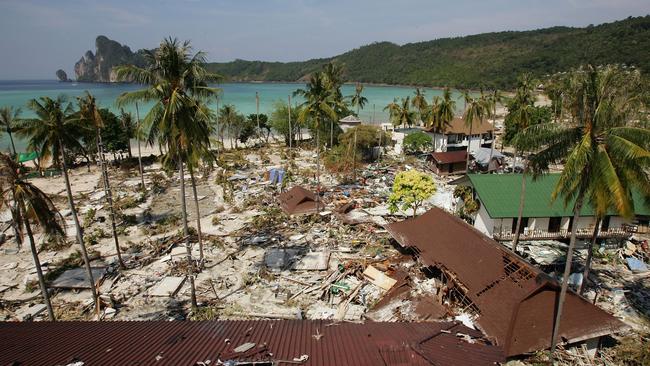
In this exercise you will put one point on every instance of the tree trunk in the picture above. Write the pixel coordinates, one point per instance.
(13, 147)
(567, 271)
(522, 199)
(590, 255)
(80, 238)
(144, 189)
(198, 212)
(494, 121)
(109, 197)
(469, 145)
(354, 158)
(37, 263)
(15, 216)
(331, 133)
(317, 168)
(186, 233)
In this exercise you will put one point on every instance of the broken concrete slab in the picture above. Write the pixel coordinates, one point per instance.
(167, 287)
(314, 261)
(77, 278)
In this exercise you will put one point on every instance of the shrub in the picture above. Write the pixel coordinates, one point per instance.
(410, 189)
(417, 142)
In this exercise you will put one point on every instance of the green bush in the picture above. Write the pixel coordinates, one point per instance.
(417, 142)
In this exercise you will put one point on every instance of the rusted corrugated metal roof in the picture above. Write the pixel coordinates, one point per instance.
(298, 200)
(515, 300)
(448, 157)
(188, 343)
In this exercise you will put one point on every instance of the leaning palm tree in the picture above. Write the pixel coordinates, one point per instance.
(393, 109)
(9, 118)
(33, 205)
(419, 102)
(605, 152)
(177, 85)
(475, 111)
(357, 99)
(89, 115)
(316, 107)
(55, 129)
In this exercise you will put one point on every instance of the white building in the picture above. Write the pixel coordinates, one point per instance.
(457, 136)
(498, 197)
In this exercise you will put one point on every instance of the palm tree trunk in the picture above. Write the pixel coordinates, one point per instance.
(331, 133)
(590, 255)
(15, 216)
(137, 112)
(80, 238)
(469, 145)
(522, 199)
(186, 233)
(198, 212)
(37, 263)
(494, 121)
(317, 167)
(109, 197)
(567, 271)
(13, 147)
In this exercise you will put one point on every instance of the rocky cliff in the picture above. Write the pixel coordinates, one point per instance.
(61, 75)
(98, 67)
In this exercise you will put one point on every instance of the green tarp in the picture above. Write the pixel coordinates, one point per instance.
(23, 157)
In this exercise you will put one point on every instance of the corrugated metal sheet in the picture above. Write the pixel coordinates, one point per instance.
(187, 343)
(448, 157)
(298, 200)
(516, 301)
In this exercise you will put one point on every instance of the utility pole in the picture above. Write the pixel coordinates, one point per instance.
(290, 134)
(137, 115)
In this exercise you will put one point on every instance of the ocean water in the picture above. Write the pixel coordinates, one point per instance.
(17, 93)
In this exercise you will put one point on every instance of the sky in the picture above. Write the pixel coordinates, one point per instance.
(40, 36)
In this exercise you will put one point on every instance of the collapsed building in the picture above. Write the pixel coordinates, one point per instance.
(513, 302)
(233, 342)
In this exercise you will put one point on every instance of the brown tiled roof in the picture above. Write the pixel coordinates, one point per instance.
(458, 126)
(189, 343)
(298, 200)
(450, 157)
(515, 300)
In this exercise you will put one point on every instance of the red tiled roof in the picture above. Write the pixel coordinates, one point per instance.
(515, 300)
(188, 343)
(450, 157)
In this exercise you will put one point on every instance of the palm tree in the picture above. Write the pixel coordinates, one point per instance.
(8, 119)
(494, 99)
(229, 122)
(403, 115)
(34, 205)
(419, 102)
(54, 129)
(521, 108)
(315, 108)
(127, 119)
(605, 154)
(178, 85)
(357, 99)
(333, 80)
(130, 128)
(89, 114)
(475, 111)
(393, 109)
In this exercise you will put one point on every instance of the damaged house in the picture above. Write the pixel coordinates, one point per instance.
(512, 301)
(498, 198)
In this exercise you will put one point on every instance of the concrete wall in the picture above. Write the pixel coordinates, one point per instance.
(484, 223)
(538, 223)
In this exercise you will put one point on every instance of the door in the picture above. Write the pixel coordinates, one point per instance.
(554, 224)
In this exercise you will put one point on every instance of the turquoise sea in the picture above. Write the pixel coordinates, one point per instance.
(16, 93)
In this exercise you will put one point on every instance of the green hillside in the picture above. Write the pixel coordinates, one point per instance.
(489, 59)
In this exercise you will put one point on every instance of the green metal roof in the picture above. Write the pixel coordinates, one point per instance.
(499, 194)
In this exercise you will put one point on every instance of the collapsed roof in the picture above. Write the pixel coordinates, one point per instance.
(298, 200)
(304, 342)
(515, 302)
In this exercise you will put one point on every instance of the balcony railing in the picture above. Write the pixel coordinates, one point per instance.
(614, 233)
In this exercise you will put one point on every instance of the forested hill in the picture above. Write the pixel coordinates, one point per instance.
(489, 59)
